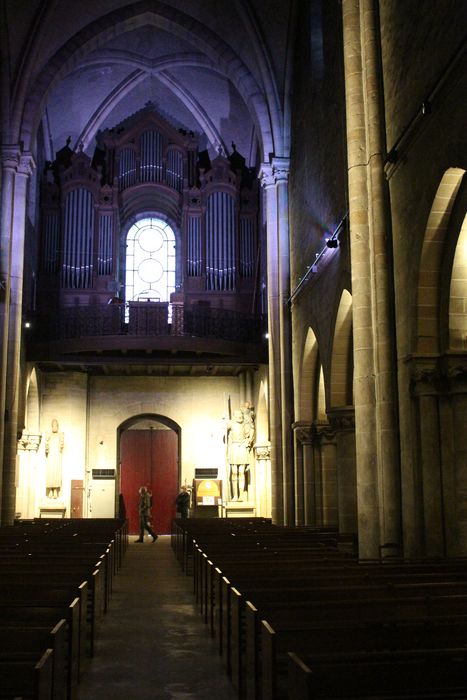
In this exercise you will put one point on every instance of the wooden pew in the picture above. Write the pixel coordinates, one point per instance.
(18, 641)
(28, 679)
(27, 613)
(296, 622)
(423, 674)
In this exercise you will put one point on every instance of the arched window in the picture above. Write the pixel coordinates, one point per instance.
(150, 261)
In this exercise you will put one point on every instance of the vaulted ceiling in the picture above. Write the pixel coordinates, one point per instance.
(215, 67)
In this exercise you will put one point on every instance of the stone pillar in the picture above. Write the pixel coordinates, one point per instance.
(309, 490)
(274, 368)
(275, 181)
(439, 391)
(15, 221)
(342, 421)
(281, 174)
(378, 469)
(263, 479)
(10, 161)
(325, 474)
(301, 432)
(457, 531)
(28, 446)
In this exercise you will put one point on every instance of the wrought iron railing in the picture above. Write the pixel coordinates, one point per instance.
(147, 319)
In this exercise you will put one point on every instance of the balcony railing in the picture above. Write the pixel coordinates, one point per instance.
(153, 319)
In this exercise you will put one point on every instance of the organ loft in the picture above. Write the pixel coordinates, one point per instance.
(208, 206)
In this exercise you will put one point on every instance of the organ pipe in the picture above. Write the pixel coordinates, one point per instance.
(127, 168)
(151, 156)
(247, 247)
(78, 239)
(105, 253)
(51, 246)
(194, 255)
(175, 169)
(220, 242)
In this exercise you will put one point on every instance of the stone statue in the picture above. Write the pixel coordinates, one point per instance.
(54, 443)
(240, 439)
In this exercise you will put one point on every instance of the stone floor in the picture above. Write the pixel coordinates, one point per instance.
(153, 644)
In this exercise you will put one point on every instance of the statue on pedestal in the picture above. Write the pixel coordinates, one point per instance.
(240, 439)
(54, 443)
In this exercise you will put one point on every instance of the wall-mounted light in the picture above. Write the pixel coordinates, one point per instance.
(27, 324)
(266, 335)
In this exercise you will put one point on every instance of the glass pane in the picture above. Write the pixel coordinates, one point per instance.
(150, 261)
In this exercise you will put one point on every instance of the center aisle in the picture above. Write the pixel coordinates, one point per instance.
(153, 644)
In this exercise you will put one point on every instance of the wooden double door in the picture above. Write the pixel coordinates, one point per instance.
(149, 458)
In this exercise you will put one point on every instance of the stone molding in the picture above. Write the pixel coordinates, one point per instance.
(20, 163)
(275, 172)
(438, 375)
(29, 441)
(302, 432)
(342, 419)
(262, 452)
(322, 432)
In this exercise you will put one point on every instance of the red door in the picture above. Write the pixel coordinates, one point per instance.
(149, 458)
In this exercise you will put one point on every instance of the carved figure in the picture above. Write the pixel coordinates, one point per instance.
(54, 443)
(240, 437)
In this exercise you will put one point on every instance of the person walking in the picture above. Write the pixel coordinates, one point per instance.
(144, 511)
(182, 502)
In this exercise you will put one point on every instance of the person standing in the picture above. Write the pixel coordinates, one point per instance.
(182, 502)
(144, 511)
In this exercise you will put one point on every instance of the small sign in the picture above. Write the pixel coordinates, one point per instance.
(208, 501)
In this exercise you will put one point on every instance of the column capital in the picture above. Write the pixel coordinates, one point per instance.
(262, 451)
(14, 159)
(302, 431)
(276, 171)
(10, 155)
(27, 164)
(266, 176)
(280, 168)
(322, 432)
(438, 374)
(342, 418)
(29, 441)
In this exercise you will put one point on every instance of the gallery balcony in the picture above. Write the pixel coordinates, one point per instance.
(147, 330)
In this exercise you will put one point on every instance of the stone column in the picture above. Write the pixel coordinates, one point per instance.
(28, 446)
(429, 482)
(439, 391)
(457, 530)
(342, 421)
(309, 490)
(13, 317)
(301, 432)
(10, 161)
(325, 474)
(275, 181)
(263, 479)
(378, 470)
(274, 368)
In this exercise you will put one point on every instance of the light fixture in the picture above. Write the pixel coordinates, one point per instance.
(27, 324)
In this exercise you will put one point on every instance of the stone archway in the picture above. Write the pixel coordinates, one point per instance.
(149, 455)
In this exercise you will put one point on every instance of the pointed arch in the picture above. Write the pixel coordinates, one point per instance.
(261, 408)
(32, 418)
(306, 388)
(429, 292)
(28, 109)
(458, 294)
(341, 392)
